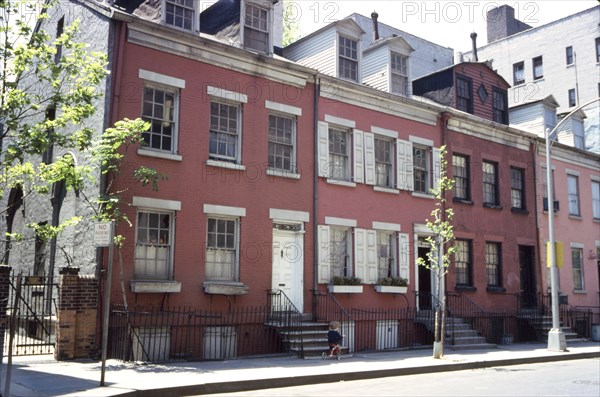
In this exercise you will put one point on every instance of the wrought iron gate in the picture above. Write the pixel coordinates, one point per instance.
(31, 316)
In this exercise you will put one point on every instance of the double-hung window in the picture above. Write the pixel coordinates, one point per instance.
(500, 104)
(493, 262)
(225, 131)
(348, 58)
(490, 183)
(517, 188)
(386, 255)
(340, 247)
(222, 242)
(421, 169)
(463, 262)
(569, 55)
(153, 245)
(180, 13)
(572, 98)
(339, 153)
(573, 192)
(159, 109)
(538, 68)
(282, 138)
(596, 200)
(519, 73)
(256, 28)
(460, 172)
(464, 94)
(384, 167)
(399, 73)
(577, 265)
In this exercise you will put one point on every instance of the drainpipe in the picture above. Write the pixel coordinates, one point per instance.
(540, 273)
(316, 90)
(444, 118)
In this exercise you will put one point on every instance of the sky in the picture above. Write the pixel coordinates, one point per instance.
(444, 22)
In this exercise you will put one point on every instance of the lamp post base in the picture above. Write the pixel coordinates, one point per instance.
(556, 340)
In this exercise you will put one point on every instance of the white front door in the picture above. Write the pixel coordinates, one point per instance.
(288, 265)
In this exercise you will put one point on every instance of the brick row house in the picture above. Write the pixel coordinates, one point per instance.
(296, 170)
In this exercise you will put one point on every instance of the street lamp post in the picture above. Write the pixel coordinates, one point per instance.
(556, 338)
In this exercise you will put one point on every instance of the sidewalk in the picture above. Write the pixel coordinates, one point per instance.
(43, 376)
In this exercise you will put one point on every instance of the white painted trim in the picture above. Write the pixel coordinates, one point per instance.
(161, 78)
(419, 228)
(386, 190)
(394, 227)
(172, 205)
(161, 155)
(597, 243)
(226, 94)
(340, 183)
(331, 220)
(282, 173)
(340, 121)
(423, 195)
(289, 215)
(595, 178)
(224, 210)
(226, 164)
(281, 107)
(577, 245)
(384, 132)
(569, 171)
(420, 141)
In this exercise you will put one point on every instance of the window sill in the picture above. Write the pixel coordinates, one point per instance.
(345, 289)
(225, 288)
(466, 288)
(282, 173)
(597, 220)
(462, 201)
(159, 154)
(386, 190)
(155, 286)
(225, 164)
(575, 217)
(390, 289)
(492, 206)
(579, 291)
(519, 211)
(340, 182)
(538, 79)
(423, 195)
(495, 289)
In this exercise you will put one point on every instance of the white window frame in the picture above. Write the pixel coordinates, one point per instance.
(391, 269)
(237, 158)
(401, 74)
(339, 57)
(392, 161)
(539, 72)
(578, 275)
(235, 266)
(248, 27)
(169, 270)
(293, 156)
(495, 184)
(573, 196)
(347, 172)
(174, 116)
(595, 188)
(517, 193)
(177, 4)
(405, 179)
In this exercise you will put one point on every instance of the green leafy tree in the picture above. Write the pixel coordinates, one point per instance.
(439, 256)
(291, 16)
(49, 89)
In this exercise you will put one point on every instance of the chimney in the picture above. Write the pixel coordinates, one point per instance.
(374, 16)
(474, 39)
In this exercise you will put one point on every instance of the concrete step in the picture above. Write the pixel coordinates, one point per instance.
(472, 346)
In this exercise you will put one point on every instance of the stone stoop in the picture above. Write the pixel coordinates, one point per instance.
(311, 339)
(458, 333)
(542, 324)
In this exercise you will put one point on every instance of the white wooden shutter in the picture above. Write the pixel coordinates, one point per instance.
(360, 254)
(437, 167)
(371, 250)
(404, 256)
(324, 251)
(359, 157)
(370, 158)
(323, 149)
(404, 164)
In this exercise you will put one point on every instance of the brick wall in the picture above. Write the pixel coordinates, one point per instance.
(77, 315)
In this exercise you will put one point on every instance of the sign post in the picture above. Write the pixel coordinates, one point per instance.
(104, 237)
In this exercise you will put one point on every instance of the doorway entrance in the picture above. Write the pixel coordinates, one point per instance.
(424, 293)
(288, 264)
(527, 266)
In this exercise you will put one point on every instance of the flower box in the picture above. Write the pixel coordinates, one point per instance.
(345, 289)
(391, 289)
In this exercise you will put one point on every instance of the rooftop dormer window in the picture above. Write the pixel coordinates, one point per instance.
(180, 14)
(256, 28)
(399, 73)
(348, 58)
